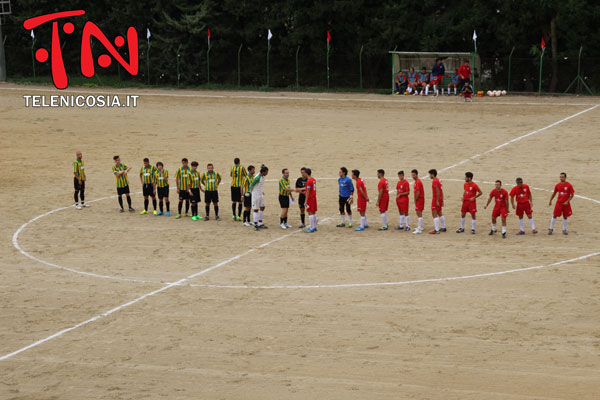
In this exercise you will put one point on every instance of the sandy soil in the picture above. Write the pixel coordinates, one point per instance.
(525, 335)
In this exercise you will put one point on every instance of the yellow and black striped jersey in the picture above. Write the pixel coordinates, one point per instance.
(161, 178)
(148, 174)
(194, 179)
(79, 169)
(238, 173)
(183, 178)
(284, 186)
(246, 182)
(211, 181)
(122, 180)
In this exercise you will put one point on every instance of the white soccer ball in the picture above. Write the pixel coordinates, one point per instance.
(496, 93)
(490, 93)
(504, 93)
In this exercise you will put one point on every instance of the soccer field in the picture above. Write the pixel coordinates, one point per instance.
(99, 304)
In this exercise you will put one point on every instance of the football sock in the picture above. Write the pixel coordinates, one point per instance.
(426, 90)
(552, 222)
(168, 206)
(121, 201)
(239, 213)
(76, 196)
(216, 211)
(160, 204)
(233, 209)
(494, 227)
(194, 209)
(255, 217)
(420, 225)
(261, 214)
(402, 220)
(436, 224)
(285, 220)
(154, 204)
(187, 206)
(532, 224)
(129, 201)
(462, 223)
(443, 221)
(363, 221)
(455, 91)
(408, 220)
(146, 204)
(565, 224)
(303, 218)
(522, 224)
(179, 207)
(385, 219)
(503, 229)
(473, 223)
(343, 218)
(207, 209)
(350, 218)
(82, 195)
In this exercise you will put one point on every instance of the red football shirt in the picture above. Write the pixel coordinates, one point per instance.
(419, 187)
(385, 195)
(521, 193)
(564, 191)
(402, 187)
(465, 71)
(471, 190)
(436, 183)
(311, 188)
(360, 183)
(500, 196)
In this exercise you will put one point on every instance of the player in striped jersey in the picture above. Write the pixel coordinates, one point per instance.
(258, 197)
(285, 192)
(211, 180)
(238, 173)
(247, 195)
(162, 187)
(148, 181)
(195, 189)
(79, 181)
(120, 171)
(182, 179)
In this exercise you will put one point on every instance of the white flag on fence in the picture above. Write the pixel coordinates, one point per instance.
(269, 35)
(474, 36)
(32, 34)
(148, 33)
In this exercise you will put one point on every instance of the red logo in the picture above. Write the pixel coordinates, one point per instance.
(59, 74)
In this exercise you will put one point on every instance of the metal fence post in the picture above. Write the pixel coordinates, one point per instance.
(178, 62)
(239, 66)
(208, 64)
(360, 65)
(268, 69)
(509, 67)
(297, 69)
(541, 65)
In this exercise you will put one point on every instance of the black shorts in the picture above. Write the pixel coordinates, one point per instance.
(284, 201)
(77, 186)
(236, 194)
(195, 198)
(301, 200)
(148, 189)
(123, 190)
(211, 196)
(163, 192)
(184, 194)
(344, 204)
(248, 199)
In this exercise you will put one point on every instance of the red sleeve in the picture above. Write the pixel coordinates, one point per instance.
(572, 189)
(556, 188)
(477, 187)
(513, 192)
(492, 193)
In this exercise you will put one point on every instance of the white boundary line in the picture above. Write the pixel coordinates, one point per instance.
(179, 282)
(283, 96)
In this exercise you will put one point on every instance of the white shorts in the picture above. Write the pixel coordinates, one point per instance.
(258, 201)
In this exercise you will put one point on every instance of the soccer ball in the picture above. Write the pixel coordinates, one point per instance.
(490, 93)
(496, 93)
(504, 93)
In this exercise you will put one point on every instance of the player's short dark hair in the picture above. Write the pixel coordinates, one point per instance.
(146, 159)
(194, 163)
(115, 157)
(519, 180)
(210, 164)
(250, 167)
(283, 170)
(264, 168)
(414, 171)
(236, 161)
(564, 173)
(469, 175)
(308, 171)
(302, 169)
(499, 181)
(344, 170)
(401, 172)
(433, 172)
(160, 163)
(184, 159)
(380, 171)
(356, 172)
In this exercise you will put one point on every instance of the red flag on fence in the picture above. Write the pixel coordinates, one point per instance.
(543, 44)
(328, 37)
(208, 33)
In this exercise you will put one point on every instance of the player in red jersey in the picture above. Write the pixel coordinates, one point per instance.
(311, 202)
(469, 203)
(402, 198)
(500, 207)
(524, 204)
(563, 203)
(419, 200)
(362, 199)
(437, 202)
(383, 198)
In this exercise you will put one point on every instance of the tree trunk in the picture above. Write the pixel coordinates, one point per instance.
(554, 44)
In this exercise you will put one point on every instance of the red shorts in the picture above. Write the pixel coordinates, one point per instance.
(524, 208)
(383, 205)
(435, 207)
(561, 209)
(501, 212)
(361, 204)
(469, 206)
(420, 204)
(467, 95)
(436, 81)
(402, 204)
(311, 205)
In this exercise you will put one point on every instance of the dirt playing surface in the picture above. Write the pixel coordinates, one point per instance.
(283, 327)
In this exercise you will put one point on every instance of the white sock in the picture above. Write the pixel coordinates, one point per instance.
(552, 222)
(384, 218)
(408, 220)
(350, 218)
(343, 218)
(454, 90)
(426, 90)
(532, 224)
(409, 90)
(436, 223)
(402, 220)
(503, 229)
(565, 224)
(363, 221)
(473, 224)
(255, 217)
(443, 221)
(261, 215)
(493, 227)
(366, 223)
(462, 223)
(420, 226)
(522, 224)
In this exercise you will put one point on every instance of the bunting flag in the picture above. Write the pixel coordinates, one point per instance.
(269, 34)
(328, 37)
(475, 39)
(32, 34)
(148, 34)
(208, 37)
(543, 44)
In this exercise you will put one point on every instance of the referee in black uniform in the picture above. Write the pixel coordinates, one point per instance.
(300, 183)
